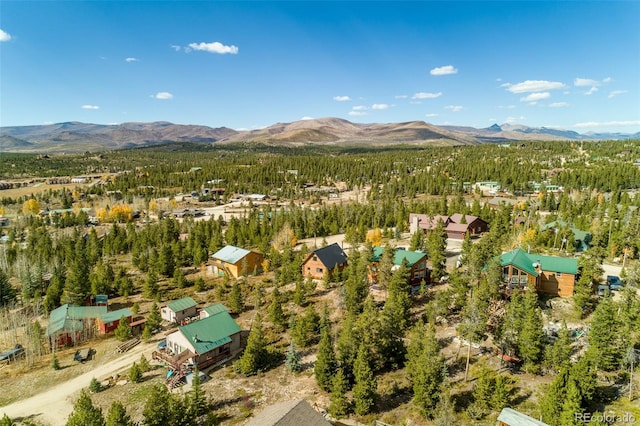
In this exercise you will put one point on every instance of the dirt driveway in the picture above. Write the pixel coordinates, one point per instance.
(53, 406)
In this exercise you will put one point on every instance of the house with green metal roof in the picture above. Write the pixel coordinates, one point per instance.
(235, 262)
(552, 275)
(416, 262)
(110, 320)
(581, 239)
(69, 324)
(177, 310)
(207, 341)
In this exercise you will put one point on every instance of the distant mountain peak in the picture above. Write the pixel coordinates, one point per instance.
(494, 128)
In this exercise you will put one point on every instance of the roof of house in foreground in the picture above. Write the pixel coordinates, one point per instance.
(331, 255)
(209, 333)
(412, 257)
(525, 261)
(297, 412)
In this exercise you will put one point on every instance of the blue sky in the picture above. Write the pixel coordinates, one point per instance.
(245, 65)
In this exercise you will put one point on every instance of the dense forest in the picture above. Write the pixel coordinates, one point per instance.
(47, 260)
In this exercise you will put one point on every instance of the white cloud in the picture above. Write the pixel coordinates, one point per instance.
(533, 86)
(607, 80)
(617, 92)
(4, 36)
(454, 108)
(131, 59)
(512, 120)
(506, 106)
(214, 47)
(608, 123)
(582, 82)
(591, 91)
(341, 98)
(90, 107)
(558, 105)
(431, 115)
(445, 70)
(498, 79)
(401, 96)
(163, 95)
(379, 106)
(426, 95)
(415, 102)
(176, 47)
(306, 118)
(357, 113)
(534, 97)
(360, 108)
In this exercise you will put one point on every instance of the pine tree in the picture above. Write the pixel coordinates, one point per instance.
(6, 421)
(558, 355)
(135, 375)
(94, 386)
(553, 397)
(196, 401)
(154, 319)
(436, 245)
(7, 292)
(123, 331)
(444, 413)
(158, 408)
(151, 287)
(604, 338)
(254, 357)
(339, 406)
(144, 364)
(364, 389)
(299, 295)
(571, 405)
(325, 365)
(55, 364)
(276, 314)
(85, 413)
(236, 302)
(531, 346)
(500, 397)
(118, 416)
(483, 391)
(426, 367)
(293, 359)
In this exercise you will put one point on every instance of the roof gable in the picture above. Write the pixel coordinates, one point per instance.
(181, 304)
(210, 332)
(330, 255)
(116, 315)
(231, 254)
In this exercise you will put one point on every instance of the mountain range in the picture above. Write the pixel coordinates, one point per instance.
(81, 137)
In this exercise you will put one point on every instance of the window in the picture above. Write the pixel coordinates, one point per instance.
(319, 270)
(558, 274)
(315, 258)
(308, 268)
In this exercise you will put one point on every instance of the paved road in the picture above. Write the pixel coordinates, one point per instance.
(52, 407)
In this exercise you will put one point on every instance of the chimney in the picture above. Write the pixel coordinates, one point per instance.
(195, 338)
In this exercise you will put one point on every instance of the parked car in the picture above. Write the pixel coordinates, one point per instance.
(162, 344)
(603, 290)
(614, 282)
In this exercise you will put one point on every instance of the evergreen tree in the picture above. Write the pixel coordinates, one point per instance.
(325, 365)
(500, 397)
(135, 375)
(531, 345)
(94, 386)
(444, 413)
(7, 292)
(364, 389)
(158, 408)
(304, 328)
(151, 287)
(483, 392)
(417, 241)
(571, 405)
(236, 301)
(85, 413)
(558, 355)
(118, 416)
(144, 364)
(153, 318)
(553, 397)
(425, 366)
(436, 245)
(254, 357)
(347, 346)
(339, 406)
(604, 339)
(196, 401)
(299, 295)
(123, 331)
(293, 359)
(55, 364)
(6, 421)
(178, 278)
(276, 314)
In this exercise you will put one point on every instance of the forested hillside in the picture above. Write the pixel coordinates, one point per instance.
(455, 349)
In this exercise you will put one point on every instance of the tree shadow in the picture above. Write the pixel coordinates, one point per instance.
(400, 395)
